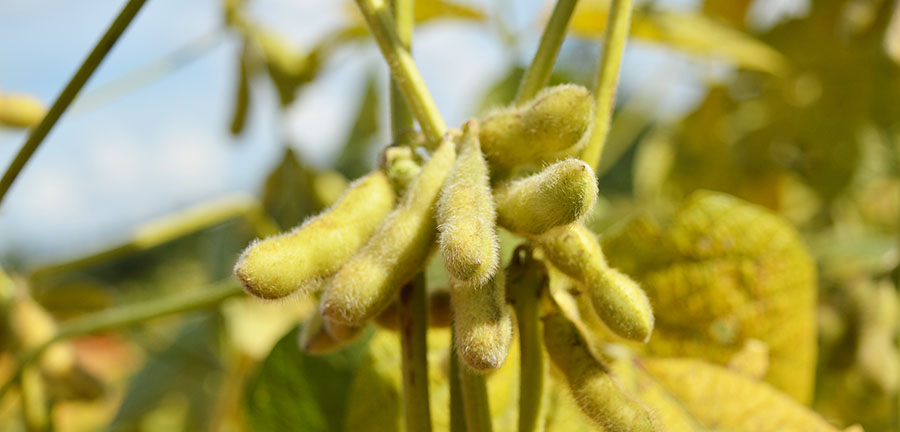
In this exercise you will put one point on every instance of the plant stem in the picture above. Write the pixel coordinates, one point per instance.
(608, 77)
(413, 326)
(538, 73)
(69, 93)
(127, 315)
(473, 388)
(457, 412)
(168, 228)
(531, 372)
(403, 69)
(34, 402)
(401, 118)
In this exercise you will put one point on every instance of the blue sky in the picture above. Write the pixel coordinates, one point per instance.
(105, 169)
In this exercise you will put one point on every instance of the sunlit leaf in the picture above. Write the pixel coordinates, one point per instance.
(719, 273)
(687, 31)
(692, 395)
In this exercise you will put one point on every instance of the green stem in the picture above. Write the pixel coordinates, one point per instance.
(538, 73)
(403, 69)
(168, 228)
(457, 412)
(608, 77)
(128, 315)
(34, 401)
(69, 93)
(473, 388)
(531, 372)
(413, 326)
(401, 118)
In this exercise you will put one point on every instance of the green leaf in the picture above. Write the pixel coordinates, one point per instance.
(294, 391)
(356, 158)
(242, 93)
(288, 193)
(720, 273)
(187, 369)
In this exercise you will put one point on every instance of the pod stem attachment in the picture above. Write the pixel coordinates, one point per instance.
(608, 78)
(413, 326)
(403, 69)
(104, 45)
(538, 73)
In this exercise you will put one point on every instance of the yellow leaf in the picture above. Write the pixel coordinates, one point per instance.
(690, 395)
(687, 31)
(720, 273)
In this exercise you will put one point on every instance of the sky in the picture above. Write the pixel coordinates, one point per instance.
(110, 165)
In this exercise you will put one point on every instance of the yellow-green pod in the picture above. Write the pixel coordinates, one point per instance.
(555, 123)
(618, 300)
(20, 110)
(396, 252)
(466, 216)
(482, 322)
(299, 260)
(594, 389)
(560, 194)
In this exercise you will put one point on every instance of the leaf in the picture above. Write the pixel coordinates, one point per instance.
(691, 395)
(242, 93)
(687, 31)
(720, 273)
(294, 391)
(288, 67)
(288, 193)
(356, 157)
(188, 369)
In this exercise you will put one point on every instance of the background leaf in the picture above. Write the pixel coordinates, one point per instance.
(293, 391)
(722, 272)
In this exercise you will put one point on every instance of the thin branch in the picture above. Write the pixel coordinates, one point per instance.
(69, 93)
(413, 327)
(608, 78)
(403, 69)
(538, 73)
(128, 315)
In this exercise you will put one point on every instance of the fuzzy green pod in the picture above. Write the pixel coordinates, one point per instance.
(617, 299)
(482, 322)
(299, 260)
(560, 194)
(395, 253)
(466, 216)
(556, 123)
(594, 389)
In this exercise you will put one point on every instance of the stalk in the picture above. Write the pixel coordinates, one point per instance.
(531, 372)
(413, 326)
(608, 77)
(473, 388)
(457, 412)
(538, 73)
(128, 315)
(403, 69)
(69, 93)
